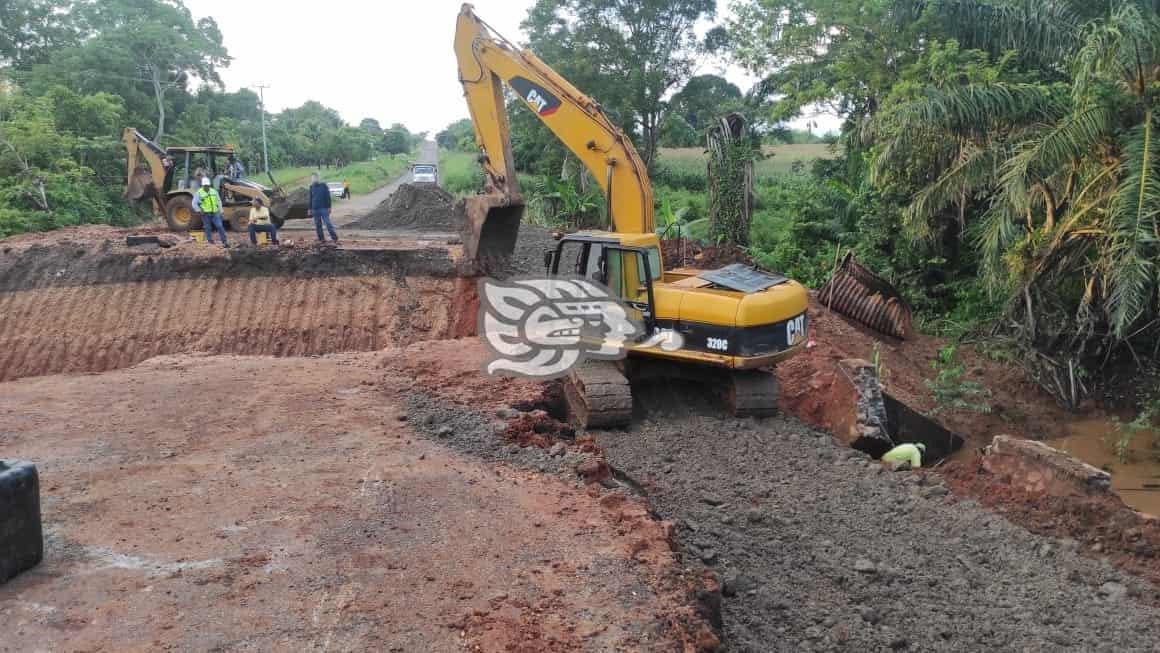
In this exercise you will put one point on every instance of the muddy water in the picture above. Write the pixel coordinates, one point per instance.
(1092, 440)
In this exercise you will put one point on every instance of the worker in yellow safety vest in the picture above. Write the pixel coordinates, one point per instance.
(208, 203)
(905, 453)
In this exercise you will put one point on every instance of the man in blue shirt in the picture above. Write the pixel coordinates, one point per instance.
(320, 208)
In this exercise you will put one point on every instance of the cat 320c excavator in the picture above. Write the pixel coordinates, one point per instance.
(735, 323)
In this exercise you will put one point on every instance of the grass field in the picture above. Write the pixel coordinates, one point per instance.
(779, 159)
(364, 176)
(459, 172)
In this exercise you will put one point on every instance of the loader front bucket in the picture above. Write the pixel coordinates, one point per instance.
(491, 227)
(859, 294)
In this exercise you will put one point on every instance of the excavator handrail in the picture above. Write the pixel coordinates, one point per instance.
(485, 60)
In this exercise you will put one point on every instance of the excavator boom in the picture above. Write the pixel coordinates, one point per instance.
(487, 61)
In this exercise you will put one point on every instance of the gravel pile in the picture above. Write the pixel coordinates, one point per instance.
(415, 206)
(819, 548)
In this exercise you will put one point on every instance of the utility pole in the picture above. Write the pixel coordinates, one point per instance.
(265, 150)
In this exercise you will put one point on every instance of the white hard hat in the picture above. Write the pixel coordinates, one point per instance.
(205, 181)
(921, 446)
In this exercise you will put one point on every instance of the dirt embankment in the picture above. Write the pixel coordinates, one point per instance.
(85, 306)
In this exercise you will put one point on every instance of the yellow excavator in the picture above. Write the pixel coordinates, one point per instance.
(734, 324)
(169, 178)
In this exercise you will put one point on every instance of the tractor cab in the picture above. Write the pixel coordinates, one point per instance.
(188, 163)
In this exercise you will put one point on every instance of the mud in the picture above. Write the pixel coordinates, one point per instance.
(415, 206)
(685, 253)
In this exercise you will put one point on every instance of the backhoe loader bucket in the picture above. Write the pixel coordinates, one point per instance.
(859, 294)
(492, 225)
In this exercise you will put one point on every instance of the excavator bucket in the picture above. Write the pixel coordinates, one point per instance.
(861, 295)
(492, 225)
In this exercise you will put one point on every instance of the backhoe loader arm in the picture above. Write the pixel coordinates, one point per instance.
(141, 148)
(486, 60)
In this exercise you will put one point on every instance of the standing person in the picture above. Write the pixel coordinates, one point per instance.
(235, 169)
(260, 221)
(320, 208)
(345, 189)
(209, 204)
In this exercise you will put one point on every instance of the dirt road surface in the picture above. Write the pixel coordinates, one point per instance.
(347, 211)
(205, 503)
(394, 498)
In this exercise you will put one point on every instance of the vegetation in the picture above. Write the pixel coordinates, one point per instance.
(459, 173)
(74, 73)
(364, 176)
(949, 388)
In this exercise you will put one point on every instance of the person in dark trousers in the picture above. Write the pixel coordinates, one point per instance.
(260, 221)
(208, 203)
(345, 189)
(320, 208)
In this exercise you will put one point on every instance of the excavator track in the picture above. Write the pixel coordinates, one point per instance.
(598, 396)
(751, 393)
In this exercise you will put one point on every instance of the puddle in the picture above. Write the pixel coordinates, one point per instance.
(1092, 440)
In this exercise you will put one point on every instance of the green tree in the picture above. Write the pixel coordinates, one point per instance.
(628, 55)
(44, 185)
(396, 140)
(705, 98)
(30, 30)
(1065, 175)
(459, 135)
(139, 49)
(371, 127)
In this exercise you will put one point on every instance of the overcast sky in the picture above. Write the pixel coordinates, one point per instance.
(387, 60)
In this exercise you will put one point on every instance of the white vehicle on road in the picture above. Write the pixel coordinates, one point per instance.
(424, 173)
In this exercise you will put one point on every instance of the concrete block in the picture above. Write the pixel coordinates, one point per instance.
(1040, 469)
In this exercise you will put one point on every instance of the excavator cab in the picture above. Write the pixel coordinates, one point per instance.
(628, 271)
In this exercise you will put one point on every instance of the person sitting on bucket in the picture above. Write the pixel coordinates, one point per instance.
(905, 453)
(209, 204)
(260, 221)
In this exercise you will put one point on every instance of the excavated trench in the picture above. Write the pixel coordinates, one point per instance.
(74, 307)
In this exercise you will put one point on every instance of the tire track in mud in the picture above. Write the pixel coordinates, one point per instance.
(96, 328)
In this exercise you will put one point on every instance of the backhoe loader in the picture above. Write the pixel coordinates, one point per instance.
(734, 323)
(168, 177)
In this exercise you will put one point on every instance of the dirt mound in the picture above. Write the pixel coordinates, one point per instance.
(1017, 405)
(685, 253)
(293, 206)
(415, 206)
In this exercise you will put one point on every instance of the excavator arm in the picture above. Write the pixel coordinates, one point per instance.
(487, 61)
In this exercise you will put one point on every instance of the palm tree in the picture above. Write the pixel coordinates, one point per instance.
(1067, 171)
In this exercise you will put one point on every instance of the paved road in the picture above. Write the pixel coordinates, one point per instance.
(347, 211)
